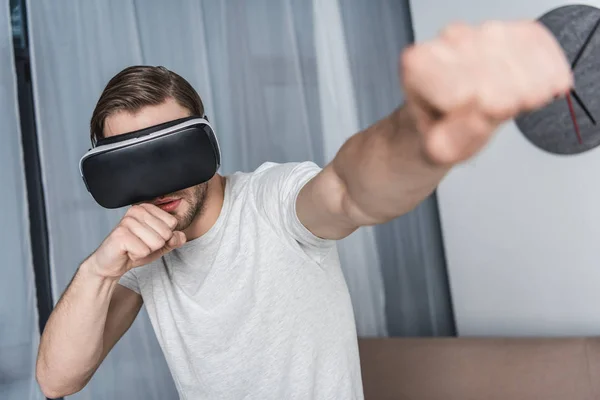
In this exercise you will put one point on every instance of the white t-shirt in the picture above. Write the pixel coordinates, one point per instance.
(257, 308)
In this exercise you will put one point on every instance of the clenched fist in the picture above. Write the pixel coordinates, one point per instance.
(460, 86)
(144, 234)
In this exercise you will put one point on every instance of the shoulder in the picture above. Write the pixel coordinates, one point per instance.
(288, 166)
(273, 175)
(284, 172)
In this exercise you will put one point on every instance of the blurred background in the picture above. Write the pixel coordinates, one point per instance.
(287, 80)
(282, 80)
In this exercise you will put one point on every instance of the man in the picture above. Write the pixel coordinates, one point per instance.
(240, 275)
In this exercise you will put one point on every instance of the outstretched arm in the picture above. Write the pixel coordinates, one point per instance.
(459, 88)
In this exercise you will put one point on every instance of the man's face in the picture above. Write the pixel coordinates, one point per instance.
(185, 204)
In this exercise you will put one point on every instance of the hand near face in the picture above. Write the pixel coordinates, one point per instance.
(143, 235)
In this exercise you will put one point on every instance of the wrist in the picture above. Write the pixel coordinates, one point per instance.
(407, 128)
(91, 284)
(91, 269)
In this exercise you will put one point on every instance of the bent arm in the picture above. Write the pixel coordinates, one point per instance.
(91, 316)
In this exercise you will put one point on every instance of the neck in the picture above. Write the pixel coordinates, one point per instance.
(212, 209)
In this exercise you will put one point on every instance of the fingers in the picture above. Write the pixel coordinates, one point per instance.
(146, 234)
(502, 68)
(139, 251)
(434, 72)
(164, 216)
(454, 33)
(158, 220)
(147, 231)
(539, 70)
(176, 241)
(176, 238)
(131, 244)
(556, 76)
(460, 86)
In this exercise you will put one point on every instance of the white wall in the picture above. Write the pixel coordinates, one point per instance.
(521, 227)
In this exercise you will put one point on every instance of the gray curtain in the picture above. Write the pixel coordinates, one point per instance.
(19, 336)
(75, 47)
(417, 296)
(276, 77)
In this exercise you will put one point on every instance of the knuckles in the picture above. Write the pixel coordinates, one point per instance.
(127, 220)
(538, 32)
(172, 222)
(493, 30)
(121, 230)
(144, 253)
(497, 97)
(409, 59)
(135, 210)
(457, 33)
(138, 212)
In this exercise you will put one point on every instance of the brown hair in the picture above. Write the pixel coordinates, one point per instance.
(140, 86)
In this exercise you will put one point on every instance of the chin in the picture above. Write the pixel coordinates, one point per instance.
(180, 211)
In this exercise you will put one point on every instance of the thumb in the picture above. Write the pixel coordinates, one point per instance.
(177, 240)
(458, 136)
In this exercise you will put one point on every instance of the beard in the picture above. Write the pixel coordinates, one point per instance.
(196, 199)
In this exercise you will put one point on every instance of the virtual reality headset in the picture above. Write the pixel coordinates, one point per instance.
(139, 166)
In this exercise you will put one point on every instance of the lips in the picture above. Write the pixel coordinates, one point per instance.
(167, 204)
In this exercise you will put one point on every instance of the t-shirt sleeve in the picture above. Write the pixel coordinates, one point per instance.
(276, 188)
(130, 281)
